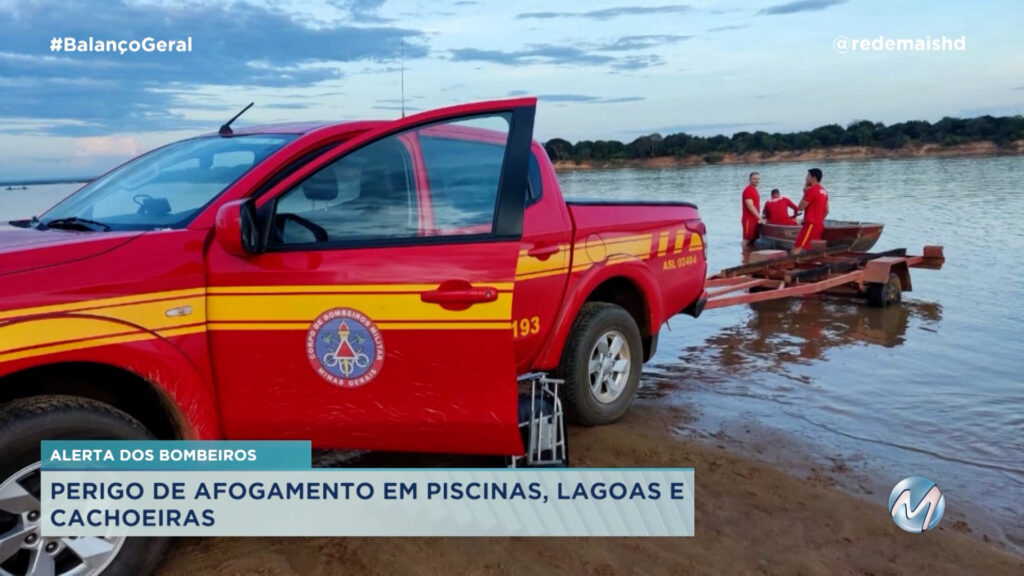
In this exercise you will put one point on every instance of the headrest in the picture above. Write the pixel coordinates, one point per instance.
(322, 185)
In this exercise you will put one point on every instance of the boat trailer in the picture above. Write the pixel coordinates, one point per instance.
(880, 277)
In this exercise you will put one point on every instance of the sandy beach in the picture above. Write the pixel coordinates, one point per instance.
(751, 518)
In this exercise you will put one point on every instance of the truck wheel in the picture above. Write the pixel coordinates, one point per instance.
(23, 552)
(882, 295)
(601, 364)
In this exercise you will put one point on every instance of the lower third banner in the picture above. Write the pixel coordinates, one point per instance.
(369, 502)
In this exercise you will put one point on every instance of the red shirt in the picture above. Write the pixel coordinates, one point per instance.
(816, 198)
(777, 210)
(750, 193)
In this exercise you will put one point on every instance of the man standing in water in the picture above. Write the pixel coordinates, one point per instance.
(815, 209)
(751, 210)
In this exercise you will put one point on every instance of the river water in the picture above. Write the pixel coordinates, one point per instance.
(934, 387)
(859, 396)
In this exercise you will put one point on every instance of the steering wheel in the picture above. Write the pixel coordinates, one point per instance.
(140, 199)
(319, 233)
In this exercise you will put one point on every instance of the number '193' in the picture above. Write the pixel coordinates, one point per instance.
(526, 327)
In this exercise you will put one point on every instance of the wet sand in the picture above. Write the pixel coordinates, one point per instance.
(751, 518)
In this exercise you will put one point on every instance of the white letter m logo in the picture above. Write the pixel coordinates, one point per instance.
(931, 500)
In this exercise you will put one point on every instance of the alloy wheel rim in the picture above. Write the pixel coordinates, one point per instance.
(25, 552)
(609, 366)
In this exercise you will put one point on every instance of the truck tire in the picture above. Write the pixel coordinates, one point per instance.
(890, 293)
(601, 364)
(23, 424)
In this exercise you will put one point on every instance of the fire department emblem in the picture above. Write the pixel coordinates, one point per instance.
(345, 347)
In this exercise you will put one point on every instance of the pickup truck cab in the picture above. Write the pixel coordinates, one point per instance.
(364, 285)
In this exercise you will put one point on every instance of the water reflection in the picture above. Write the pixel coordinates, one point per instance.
(778, 334)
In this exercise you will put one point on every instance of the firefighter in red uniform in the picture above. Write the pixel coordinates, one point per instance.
(776, 210)
(815, 208)
(751, 210)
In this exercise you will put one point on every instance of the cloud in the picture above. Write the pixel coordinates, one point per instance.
(638, 62)
(643, 42)
(581, 98)
(396, 108)
(362, 11)
(623, 100)
(536, 54)
(237, 45)
(799, 6)
(114, 145)
(36, 126)
(609, 13)
(581, 54)
(288, 105)
(729, 27)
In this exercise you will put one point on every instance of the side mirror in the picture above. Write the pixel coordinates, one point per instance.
(235, 228)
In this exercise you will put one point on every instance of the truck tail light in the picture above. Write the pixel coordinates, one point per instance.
(698, 227)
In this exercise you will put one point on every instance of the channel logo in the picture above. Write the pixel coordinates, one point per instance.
(916, 504)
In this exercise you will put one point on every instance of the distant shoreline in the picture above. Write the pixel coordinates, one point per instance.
(815, 155)
(25, 183)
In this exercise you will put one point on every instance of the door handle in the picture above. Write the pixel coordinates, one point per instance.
(543, 251)
(460, 296)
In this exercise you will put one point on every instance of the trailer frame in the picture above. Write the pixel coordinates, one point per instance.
(880, 277)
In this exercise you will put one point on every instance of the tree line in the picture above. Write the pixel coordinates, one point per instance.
(1003, 131)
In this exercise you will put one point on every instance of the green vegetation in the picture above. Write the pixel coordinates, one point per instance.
(1003, 131)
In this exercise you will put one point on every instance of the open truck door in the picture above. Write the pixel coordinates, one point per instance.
(372, 305)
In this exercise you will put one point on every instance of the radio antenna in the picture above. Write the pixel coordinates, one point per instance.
(403, 76)
(225, 129)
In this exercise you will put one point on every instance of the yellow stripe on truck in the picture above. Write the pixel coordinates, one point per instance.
(340, 288)
(379, 307)
(87, 321)
(71, 346)
(303, 326)
(102, 303)
(62, 334)
(531, 267)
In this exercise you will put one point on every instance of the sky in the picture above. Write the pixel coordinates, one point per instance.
(601, 69)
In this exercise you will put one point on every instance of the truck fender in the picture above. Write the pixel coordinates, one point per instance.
(129, 347)
(580, 290)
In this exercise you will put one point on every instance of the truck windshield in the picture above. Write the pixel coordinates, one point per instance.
(165, 188)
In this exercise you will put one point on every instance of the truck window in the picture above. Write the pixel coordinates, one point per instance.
(169, 186)
(463, 176)
(368, 194)
(371, 193)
